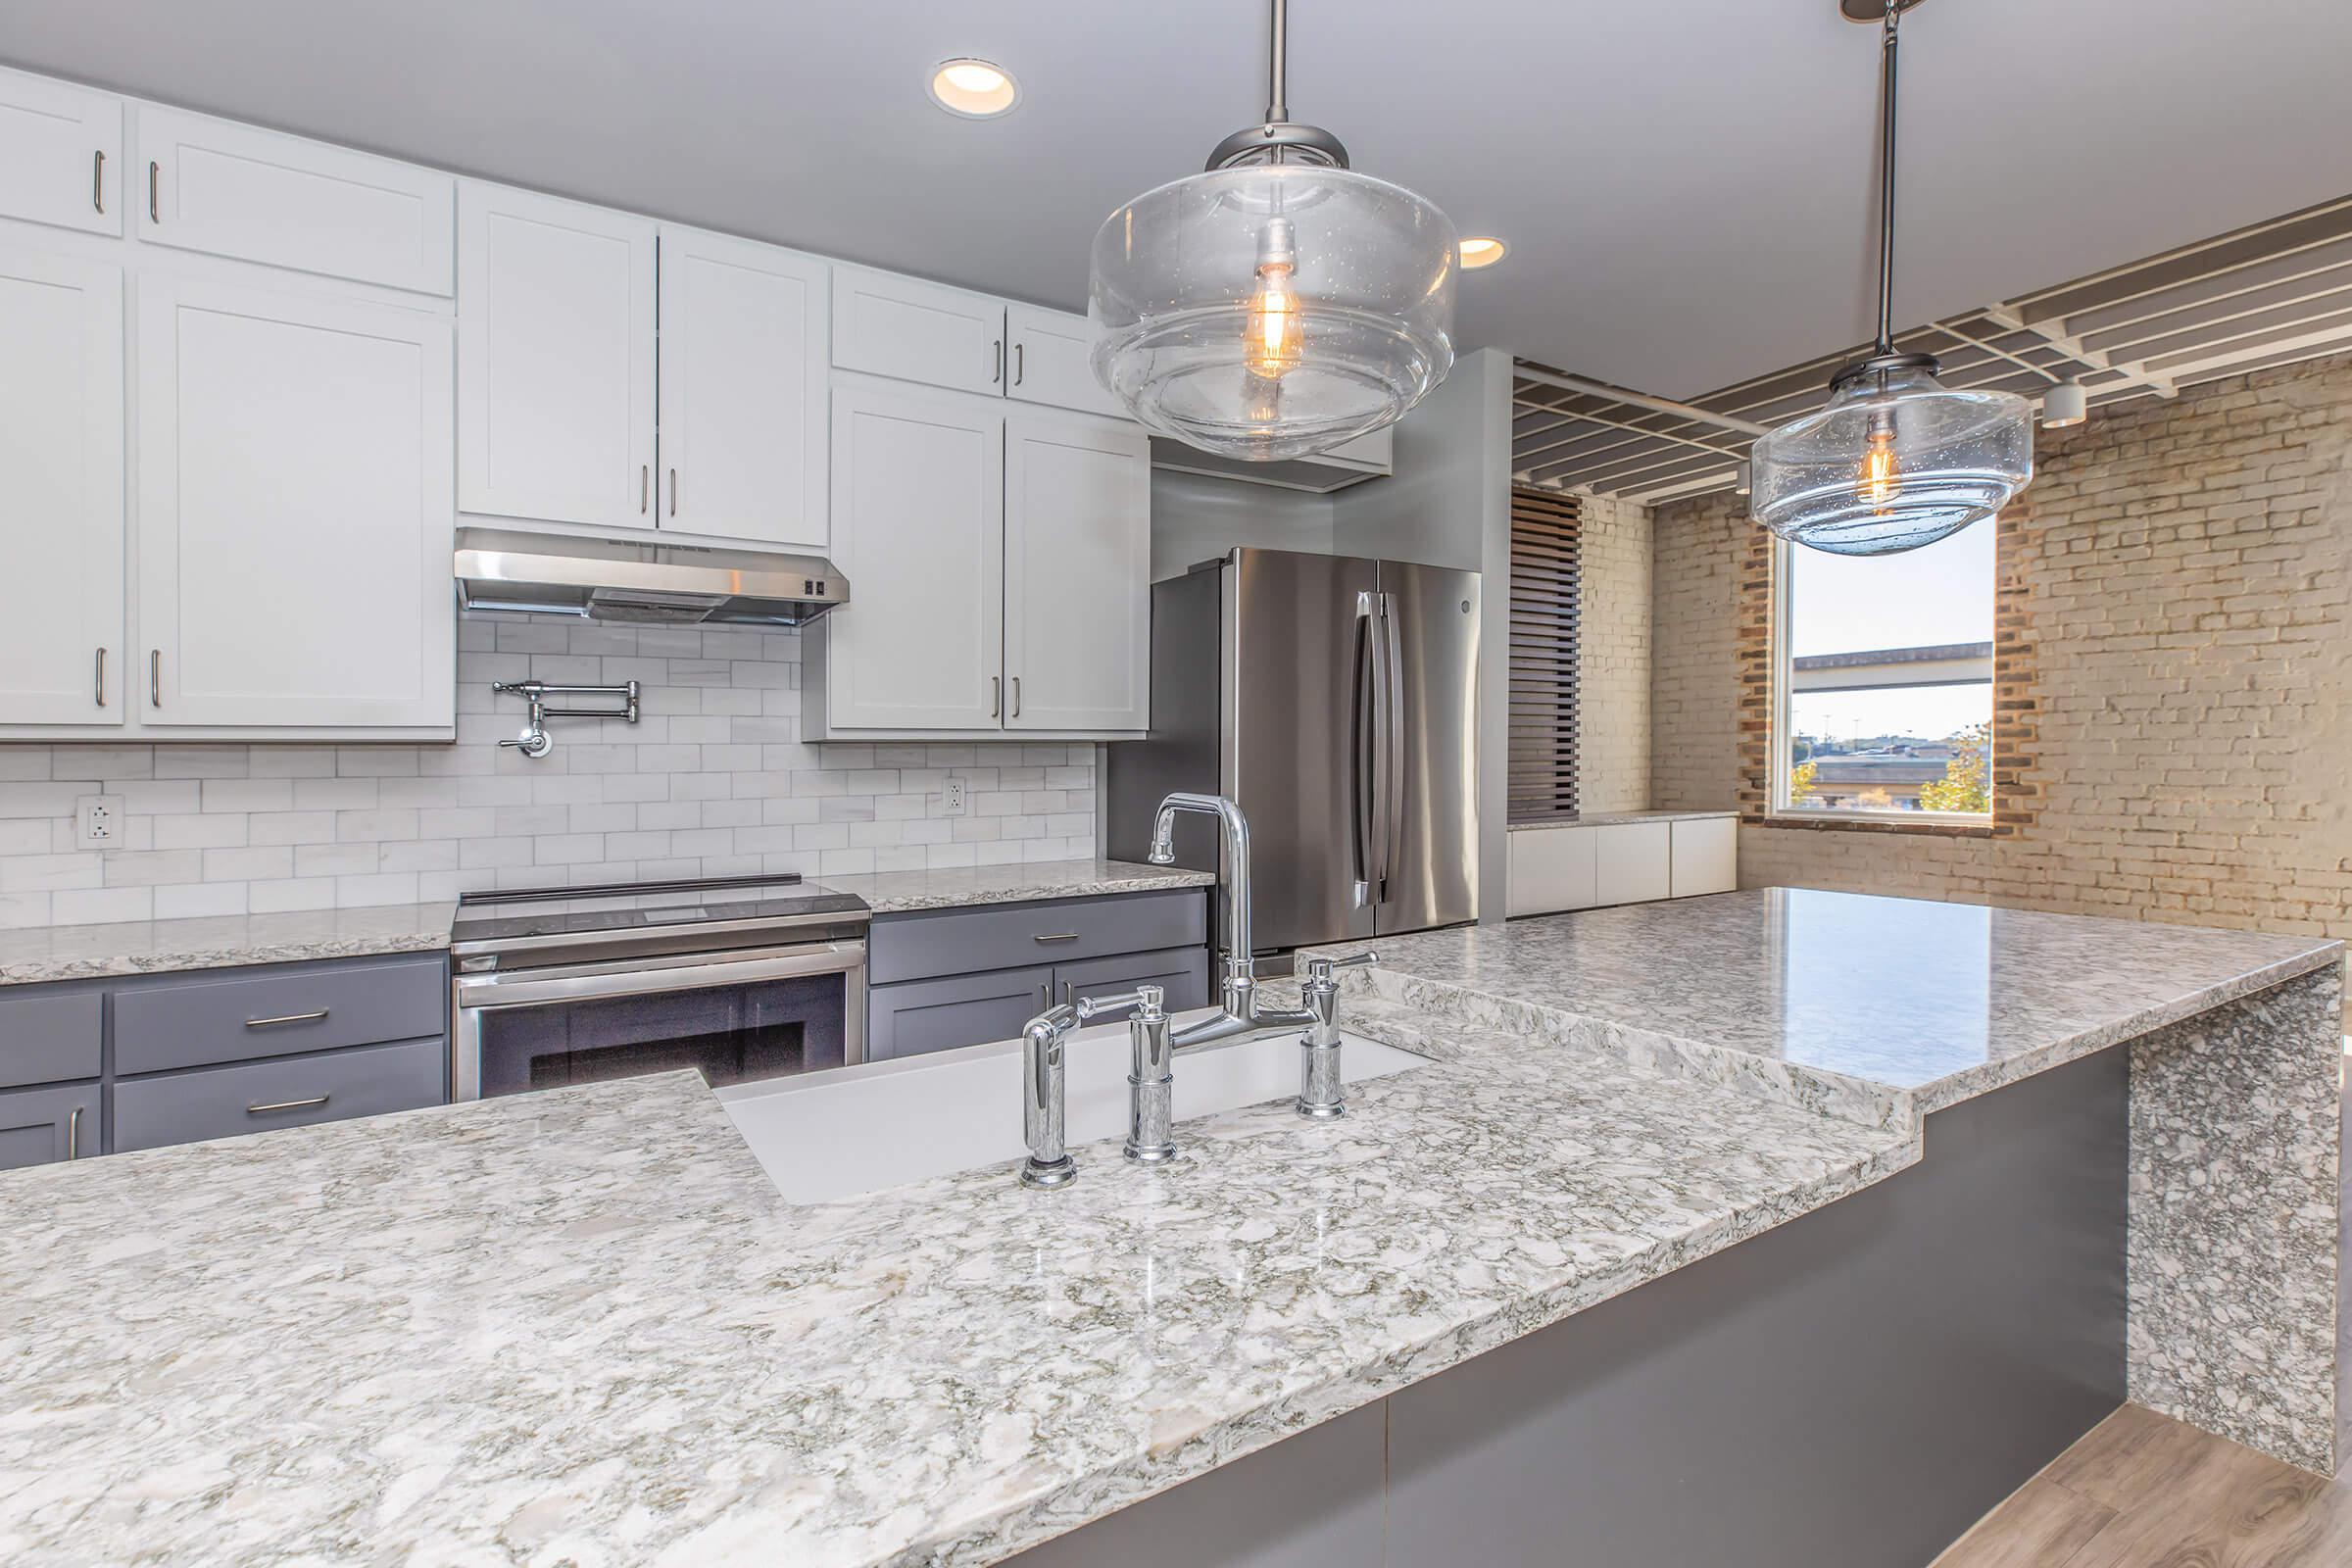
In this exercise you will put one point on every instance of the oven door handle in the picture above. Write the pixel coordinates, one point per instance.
(493, 991)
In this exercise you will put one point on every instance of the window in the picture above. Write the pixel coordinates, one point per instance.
(1883, 681)
(1547, 533)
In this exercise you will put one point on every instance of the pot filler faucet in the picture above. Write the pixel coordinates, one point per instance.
(1153, 1045)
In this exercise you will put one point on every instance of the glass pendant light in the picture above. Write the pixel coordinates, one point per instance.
(1279, 303)
(1895, 460)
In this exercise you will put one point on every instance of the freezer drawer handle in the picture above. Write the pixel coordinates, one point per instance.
(288, 1105)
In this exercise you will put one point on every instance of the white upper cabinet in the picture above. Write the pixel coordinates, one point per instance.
(918, 526)
(61, 532)
(1052, 360)
(294, 511)
(743, 443)
(1077, 572)
(911, 330)
(554, 358)
(205, 184)
(61, 154)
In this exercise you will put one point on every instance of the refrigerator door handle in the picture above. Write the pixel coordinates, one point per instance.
(1363, 724)
(1387, 703)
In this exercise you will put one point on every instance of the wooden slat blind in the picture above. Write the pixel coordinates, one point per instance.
(1546, 546)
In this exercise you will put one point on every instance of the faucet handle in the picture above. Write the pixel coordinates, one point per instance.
(1144, 999)
(1323, 971)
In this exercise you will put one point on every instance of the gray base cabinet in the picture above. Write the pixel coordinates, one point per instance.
(964, 977)
(41, 1126)
(101, 1066)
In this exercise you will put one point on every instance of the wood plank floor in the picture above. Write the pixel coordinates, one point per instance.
(2143, 1491)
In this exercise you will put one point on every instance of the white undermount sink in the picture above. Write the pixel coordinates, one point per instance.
(855, 1130)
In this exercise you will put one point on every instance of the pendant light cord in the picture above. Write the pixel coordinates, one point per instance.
(1278, 68)
(1886, 179)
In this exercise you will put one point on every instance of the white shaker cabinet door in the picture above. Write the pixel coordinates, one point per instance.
(206, 184)
(1077, 572)
(743, 440)
(294, 510)
(911, 330)
(1052, 361)
(61, 532)
(918, 527)
(61, 154)
(554, 358)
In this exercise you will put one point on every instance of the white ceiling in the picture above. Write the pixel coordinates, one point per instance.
(1686, 187)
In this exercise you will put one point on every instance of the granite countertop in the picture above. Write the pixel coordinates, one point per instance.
(219, 942)
(1878, 1009)
(1610, 818)
(581, 1326)
(897, 891)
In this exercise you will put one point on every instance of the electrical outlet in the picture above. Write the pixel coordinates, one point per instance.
(951, 797)
(98, 821)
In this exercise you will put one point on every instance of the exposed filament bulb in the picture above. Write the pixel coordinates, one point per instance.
(1879, 482)
(1273, 333)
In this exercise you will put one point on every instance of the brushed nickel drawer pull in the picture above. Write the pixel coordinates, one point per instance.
(286, 1105)
(287, 1017)
(644, 479)
(73, 1133)
(153, 215)
(154, 677)
(101, 677)
(98, 180)
(1057, 936)
(1016, 696)
(674, 492)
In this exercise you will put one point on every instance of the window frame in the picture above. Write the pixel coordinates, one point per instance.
(1778, 811)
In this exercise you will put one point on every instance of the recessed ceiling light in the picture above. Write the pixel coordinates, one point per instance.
(973, 88)
(1483, 250)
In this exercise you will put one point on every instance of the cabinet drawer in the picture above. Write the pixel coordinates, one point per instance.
(41, 1126)
(966, 1010)
(48, 1038)
(1054, 931)
(1181, 973)
(224, 1102)
(308, 1008)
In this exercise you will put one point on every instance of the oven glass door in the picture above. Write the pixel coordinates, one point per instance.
(733, 1020)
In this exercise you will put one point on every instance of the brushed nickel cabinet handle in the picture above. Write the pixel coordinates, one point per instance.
(1055, 935)
(674, 492)
(101, 677)
(996, 377)
(645, 483)
(1016, 696)
(98, 180)
(153, 215)
(996, 696)
(286, 1017)
(1020, 363)
(73, 1133)
(288, 1105)
(154, 677)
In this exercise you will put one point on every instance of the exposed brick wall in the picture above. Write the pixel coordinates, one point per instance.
(2174, 648)
(1613, 658)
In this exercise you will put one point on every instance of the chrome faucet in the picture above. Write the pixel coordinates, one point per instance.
(1045, 1083)
(1239, 1017)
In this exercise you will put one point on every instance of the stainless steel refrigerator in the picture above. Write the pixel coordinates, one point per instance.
(1335, 699)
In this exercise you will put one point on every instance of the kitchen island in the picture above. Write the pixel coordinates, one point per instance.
(581, 1326)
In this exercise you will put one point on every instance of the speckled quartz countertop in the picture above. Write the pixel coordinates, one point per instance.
(1873, 1007)
(897, 891)
(151, 947)
(581, 1327)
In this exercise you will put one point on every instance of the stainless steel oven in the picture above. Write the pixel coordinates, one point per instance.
(742, 978)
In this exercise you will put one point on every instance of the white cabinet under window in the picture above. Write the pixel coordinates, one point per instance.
(1000, 568)
(1077, 569)
(918, 513)
(205, 184)
(743, 433)
(61, 154)
(294, 510)
(1629, 858)
(554, 358)
(61, 532)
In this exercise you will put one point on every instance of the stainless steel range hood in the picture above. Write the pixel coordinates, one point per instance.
(662, 584)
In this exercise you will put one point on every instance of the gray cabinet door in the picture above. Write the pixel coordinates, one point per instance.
(1182, 972)
(39, 1126)
(921, 947)
(921, 1015)
(48, 1036)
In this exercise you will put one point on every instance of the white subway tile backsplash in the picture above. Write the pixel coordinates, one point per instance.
(713, 781)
